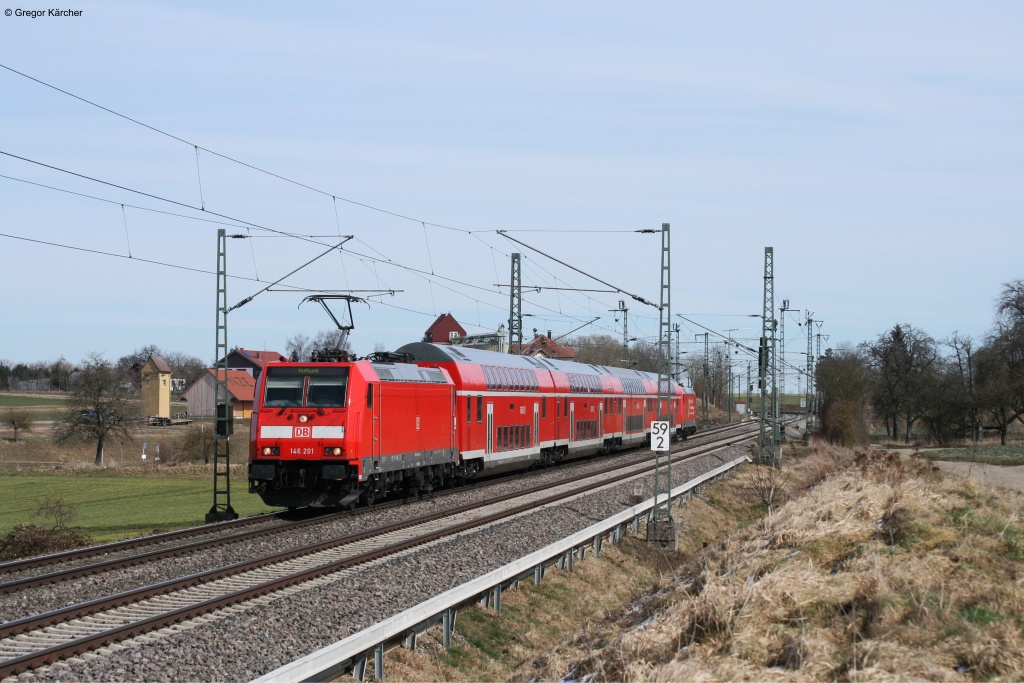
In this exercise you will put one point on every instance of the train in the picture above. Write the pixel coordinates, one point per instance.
(340, 432)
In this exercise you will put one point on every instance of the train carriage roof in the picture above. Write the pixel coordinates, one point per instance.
(442, 353)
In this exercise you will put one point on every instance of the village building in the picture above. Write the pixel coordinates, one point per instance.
(445, 330)
(201, 396)
(252, 362)
(155, 375)
(542, 346)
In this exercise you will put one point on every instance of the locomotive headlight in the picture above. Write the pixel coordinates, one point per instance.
(337, 451)
(303, 418)
(270, 450)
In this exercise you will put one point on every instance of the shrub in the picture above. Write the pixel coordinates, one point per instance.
(843, 423)
(27, 540)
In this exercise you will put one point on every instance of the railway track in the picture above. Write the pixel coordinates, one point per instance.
(18, 575)
(38, 640)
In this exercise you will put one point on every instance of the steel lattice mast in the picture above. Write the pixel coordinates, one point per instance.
(221, 509)
(515, 311)
(769, 435)
(662, 467)
(809, 384)
(661, 530)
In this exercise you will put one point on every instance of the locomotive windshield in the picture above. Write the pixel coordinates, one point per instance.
(314, 387)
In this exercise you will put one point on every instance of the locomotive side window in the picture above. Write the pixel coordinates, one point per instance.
(469, 409)
(327, 392)
(479, 408)
(544, 407)
(369, 395)
(283, 391)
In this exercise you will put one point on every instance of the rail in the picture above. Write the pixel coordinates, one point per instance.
(355, 651)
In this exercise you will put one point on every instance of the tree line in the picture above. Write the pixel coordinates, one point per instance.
(58, 375)
(954, 389)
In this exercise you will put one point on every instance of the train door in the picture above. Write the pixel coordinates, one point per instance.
(490, 427)
(600, 420)
(536, 424)
(374, 399)
(572, 422)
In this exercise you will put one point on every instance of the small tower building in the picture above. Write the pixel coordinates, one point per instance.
(156, 388)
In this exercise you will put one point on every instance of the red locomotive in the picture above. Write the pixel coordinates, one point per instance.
(336, 433)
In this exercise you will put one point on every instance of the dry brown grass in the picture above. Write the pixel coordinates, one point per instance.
(874, 569)
(883, 571)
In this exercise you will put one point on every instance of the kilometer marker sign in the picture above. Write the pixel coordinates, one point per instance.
(659, 435)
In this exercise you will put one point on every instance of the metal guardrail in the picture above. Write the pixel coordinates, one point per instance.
(353, 652)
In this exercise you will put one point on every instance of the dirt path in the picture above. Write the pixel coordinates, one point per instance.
(1007, 477)
(997, 475)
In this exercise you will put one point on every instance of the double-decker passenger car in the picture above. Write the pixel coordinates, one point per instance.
(337, 433)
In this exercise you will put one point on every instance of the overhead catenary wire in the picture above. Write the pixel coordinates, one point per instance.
(127, 239)
(237, 223)
(593, 277)
(242, 223)
(141, 208)
(197, 148)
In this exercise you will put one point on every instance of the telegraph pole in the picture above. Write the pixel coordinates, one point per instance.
(515, 310)
(782, 349)
(728, 374)
(707, 372)
(625, 326)
(728, 351)
(676, 371)
(769, 436)
(661, 530)
(750, 388)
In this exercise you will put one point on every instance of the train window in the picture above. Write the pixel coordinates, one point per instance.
(516, 431)
(544, 407)
(469, 409)
(369, 395)
(327, 391)
(479, 408)
(488, 378)
(284, 390)
(504, 438)
(517, 379)
(566, 406)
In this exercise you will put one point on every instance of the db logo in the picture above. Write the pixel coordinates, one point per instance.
(302, 432)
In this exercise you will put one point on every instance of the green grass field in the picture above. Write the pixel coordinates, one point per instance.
(7, 400)
(994, 454)
(111, 507)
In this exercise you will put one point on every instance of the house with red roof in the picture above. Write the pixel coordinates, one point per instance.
(252, 361)
(201, 393)
(543, 347)
(445, 330)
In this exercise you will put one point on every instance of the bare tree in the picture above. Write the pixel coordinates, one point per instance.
(99, 406)
(19, 421)
(185, 366)
(600, 349)
(904, 360)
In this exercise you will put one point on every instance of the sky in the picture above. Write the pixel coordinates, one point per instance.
(876, 147)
